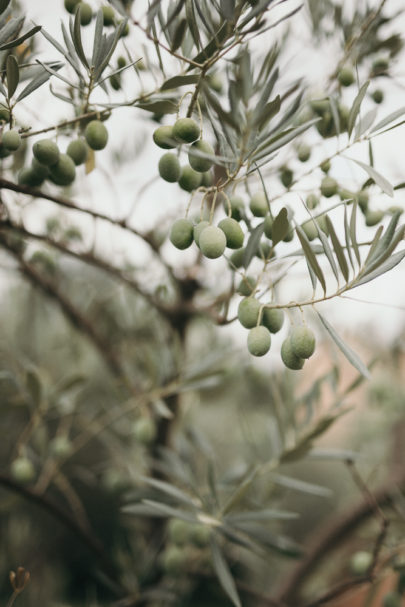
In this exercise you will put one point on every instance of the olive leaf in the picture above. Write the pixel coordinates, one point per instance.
(13, 75)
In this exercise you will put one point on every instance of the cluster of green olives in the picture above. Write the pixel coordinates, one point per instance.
(262, 321)
(49, 163)
(186, 543)
(86, 13)
(197, 172)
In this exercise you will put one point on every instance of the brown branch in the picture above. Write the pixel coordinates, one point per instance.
(47, 504)
(72, 313)
(334, 535)
(89, 259)
(67, 203)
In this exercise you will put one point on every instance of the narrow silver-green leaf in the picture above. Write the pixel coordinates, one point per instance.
(354, 112)
(169, 489)
(77, 38)
(388, 119)
(376, 176)
(347, 238)
(335, 113)
(299, 485)
(13, 75)
(327, 250)
(387, 237)
(98, 37)
(10, 30)
(390, 263)
(373, 245)
(281, 226)
(399, 236)
(3, 5)
(252, 244)
(223, 573)
(310, 256)
(177, 81)
(339, 252)
(351, 356)
(363, 124)
(192, 23)
(353, 232)
(35, 83)
(20, 39)
(261, 515)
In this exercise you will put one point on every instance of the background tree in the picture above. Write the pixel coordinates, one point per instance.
(121, 482)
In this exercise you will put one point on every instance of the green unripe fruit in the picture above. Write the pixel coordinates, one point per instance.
(373, 217)
(46, 152)
(181, 234)
(96, 135)
(163, 137)
(329, 186)
(377, 96)
(174, 560)
(145, 430)
(346, 76)
(320, 106)
(291, 360)
(22, 470)
(237, 207)
(258, 205)
(346, 195)
(200, 535)
(115, 82)
(169, 167)
(309, 229)
(61, 446)
(86, 13)
(248, 312)
(304, 152)
(360, 562)
(108, 15)
(197, 162)
(380, 65)
(302, 341)
(259, 341)
(28, 176)
(4, 152)
(392, 599)
(233, 233)
(70, 5)
(247, 286)
(362, 199)
(41, 171)
(189, 179)
(312, 201)
(11, 140)
(273, 319)
(325, 166)
(186, 130)
(121, 62)
(264, 251)
(78, 151)
(198, 229)
(179, 531)
(212, 242)
(125, 31)
(286, 177)
(236, 259)
(321, 221)
(64, 171)
(268, 226)
(215, 82)
(207, 179)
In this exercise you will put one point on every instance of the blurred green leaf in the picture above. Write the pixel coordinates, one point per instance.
(13, 75)
(351, 356)
(252, 244)
(223, 573)
(338, 249)
(177, 81)
(375, 176)
(354, 112)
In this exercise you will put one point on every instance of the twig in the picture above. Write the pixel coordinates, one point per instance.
(334, 535)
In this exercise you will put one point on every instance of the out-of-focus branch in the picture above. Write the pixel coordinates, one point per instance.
(333, 536)
(71, 312)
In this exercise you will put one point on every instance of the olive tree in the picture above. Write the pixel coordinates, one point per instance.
(246, 169)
